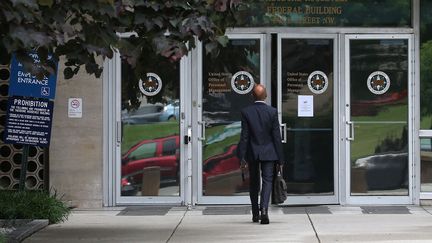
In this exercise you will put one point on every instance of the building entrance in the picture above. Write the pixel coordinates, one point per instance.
(303, 86)
(344, 105)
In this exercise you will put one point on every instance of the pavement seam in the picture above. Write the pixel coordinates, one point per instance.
(313, 226)
(175, 229)
(426, 211)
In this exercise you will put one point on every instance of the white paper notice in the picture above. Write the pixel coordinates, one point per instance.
(305, 106)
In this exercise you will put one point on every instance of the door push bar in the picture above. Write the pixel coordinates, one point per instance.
(284, 132)
(202, 124)
(351, 130)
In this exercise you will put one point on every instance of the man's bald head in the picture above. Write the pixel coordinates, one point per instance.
(259, 92)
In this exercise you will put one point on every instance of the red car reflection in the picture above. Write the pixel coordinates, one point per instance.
(161, 152)
(226, 168)
(164, 154)
(371, 107)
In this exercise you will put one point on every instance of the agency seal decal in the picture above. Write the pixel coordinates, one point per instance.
(378, 82)
(317, 82)
(242, 82)
(152, 85)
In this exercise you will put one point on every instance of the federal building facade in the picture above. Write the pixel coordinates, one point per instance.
(351, 79)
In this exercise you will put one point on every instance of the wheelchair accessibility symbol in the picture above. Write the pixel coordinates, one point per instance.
(45, 91)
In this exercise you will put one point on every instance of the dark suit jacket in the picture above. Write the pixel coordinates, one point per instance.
(260, 135)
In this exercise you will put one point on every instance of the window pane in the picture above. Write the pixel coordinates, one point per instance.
(169, 147)
(309, 165)
(426, 65)
(426, 164)
(221, 112)
(150, 163)
(379, 150)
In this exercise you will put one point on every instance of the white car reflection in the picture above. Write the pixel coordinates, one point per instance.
(150, 113)
(384, 171)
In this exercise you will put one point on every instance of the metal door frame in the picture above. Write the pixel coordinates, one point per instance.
(115, 170)
(315, 199)
(197, 195)
(347, 198)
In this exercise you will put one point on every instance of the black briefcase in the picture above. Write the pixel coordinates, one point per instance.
(279, 192)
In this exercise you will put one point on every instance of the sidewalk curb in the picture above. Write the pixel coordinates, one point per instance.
(26, 230)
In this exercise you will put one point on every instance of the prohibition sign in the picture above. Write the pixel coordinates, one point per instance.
(75, 103)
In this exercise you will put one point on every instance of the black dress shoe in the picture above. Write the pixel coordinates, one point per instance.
(264, 217)
(255, 218)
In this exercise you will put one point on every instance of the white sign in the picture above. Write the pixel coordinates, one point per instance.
(305, 106)
(75, 108)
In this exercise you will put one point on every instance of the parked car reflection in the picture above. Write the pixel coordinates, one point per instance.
(162, 153)
(144, 114)
(388, 171)
(170, 111)
(371, 107)
(149, 113)
(222, 175)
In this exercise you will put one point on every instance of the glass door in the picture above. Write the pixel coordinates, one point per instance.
(150, 127)
(307, 79)
(224, 85)
(378, 75)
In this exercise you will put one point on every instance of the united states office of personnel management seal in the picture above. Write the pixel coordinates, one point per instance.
(378, 82)
(317, 82)
(152, 85)
(242, 82)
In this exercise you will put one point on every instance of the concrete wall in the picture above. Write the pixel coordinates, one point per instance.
(76, 143)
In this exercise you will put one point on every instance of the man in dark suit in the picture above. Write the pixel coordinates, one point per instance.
(260, 146)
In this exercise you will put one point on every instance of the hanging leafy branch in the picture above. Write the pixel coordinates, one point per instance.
(81, 31)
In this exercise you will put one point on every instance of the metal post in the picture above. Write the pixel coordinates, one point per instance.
(24, 162)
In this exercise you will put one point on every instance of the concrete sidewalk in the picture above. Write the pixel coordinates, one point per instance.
(233, 224)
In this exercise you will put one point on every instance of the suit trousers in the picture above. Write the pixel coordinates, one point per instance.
(254, 183)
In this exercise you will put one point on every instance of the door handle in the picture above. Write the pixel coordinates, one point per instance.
(203, 136)
(284, 133)
(351, 130)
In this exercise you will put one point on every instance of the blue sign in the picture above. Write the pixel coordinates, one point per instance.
(28, 121)
(23, 83)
